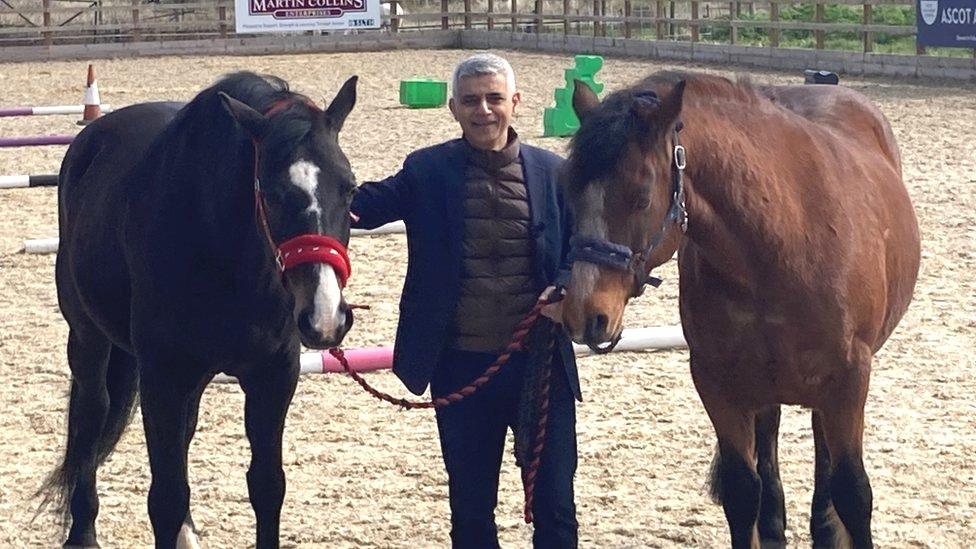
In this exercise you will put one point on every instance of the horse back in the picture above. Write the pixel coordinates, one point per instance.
(93, 185)
(841, 110)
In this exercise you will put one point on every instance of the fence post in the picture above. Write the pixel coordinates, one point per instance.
(514, 16)
(445, 20)
(603, 14)
(694, 21)
(467, 14)
(818, 35)
(868, 36)
(395, 16)
(221, 16)
(659, 24)
(538, 16)
(774, 18)
(734, 13)
(628, 11)
(136, 32)
(566, 17)
(491, 16)
(47, 22)
(671, 33)
(596, 13)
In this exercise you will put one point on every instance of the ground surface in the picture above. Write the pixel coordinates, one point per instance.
(364, 475)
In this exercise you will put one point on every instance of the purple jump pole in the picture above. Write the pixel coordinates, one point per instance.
(36, 140)
(17, 111)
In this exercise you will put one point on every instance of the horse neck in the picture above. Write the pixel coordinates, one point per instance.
(732, 201)
(221, 158)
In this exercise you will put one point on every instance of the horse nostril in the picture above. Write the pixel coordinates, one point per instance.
(601, 323)
(596, 326)
(305, 322)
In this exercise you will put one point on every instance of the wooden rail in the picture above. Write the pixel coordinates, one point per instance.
(688, 20)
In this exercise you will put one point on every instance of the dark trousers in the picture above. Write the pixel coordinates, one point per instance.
(472, 434)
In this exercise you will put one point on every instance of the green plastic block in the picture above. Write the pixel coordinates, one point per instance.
(588, 65)
(561, 121)
(558, 122)
(423, 93)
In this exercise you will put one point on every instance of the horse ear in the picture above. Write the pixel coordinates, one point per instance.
(671, 106)
(342, 104)
(251, 120)
(584, 100)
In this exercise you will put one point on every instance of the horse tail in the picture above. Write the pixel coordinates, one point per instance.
(715, 477)
(123, 389)
(122, 383)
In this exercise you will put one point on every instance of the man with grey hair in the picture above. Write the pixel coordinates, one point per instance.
(487, 232)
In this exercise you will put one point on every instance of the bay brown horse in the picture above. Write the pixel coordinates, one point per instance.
(798, 251)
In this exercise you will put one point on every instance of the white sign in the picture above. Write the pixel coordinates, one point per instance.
(302, 15)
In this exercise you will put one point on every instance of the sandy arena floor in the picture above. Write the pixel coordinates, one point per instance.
(362, 474)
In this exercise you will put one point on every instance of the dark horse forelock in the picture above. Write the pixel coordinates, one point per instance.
(597, 148)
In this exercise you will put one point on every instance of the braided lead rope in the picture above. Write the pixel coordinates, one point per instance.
(531, 469)
(515, 345)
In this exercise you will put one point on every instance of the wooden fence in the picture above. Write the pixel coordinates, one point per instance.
(759, 25)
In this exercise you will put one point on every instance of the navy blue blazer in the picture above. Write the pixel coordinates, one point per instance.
(428, 195)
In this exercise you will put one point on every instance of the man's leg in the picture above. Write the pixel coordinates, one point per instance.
(554, 508)
(472, 435)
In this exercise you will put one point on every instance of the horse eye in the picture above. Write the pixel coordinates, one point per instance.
(642, 204)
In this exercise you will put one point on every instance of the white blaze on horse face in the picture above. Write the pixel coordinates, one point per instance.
(590, 223)
(327, 317)
(305, 176)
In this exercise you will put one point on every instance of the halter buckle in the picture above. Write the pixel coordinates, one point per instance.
(680, 160)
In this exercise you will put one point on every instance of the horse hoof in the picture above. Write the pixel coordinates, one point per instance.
(66, 546)
(187, 538)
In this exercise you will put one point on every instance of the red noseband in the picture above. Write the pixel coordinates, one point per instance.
(315, 248)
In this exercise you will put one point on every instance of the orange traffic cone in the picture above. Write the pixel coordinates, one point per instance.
(93, 108)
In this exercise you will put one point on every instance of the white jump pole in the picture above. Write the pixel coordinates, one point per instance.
(381, 358)
(48, 110)
(50, 245)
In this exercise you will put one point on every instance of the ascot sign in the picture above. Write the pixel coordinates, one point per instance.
(950, 23)
(301, 15)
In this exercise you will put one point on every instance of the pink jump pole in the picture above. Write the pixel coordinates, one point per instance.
(36, 140)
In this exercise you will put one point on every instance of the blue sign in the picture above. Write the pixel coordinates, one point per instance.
(948, 23)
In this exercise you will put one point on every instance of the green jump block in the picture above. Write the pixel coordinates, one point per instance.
(558, 122)
(423, 93)
(588, 65)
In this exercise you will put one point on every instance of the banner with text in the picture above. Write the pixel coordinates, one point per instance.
(949, 23)
(302, 15)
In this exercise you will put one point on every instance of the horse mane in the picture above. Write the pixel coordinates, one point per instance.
(597, 147)
(261, 92)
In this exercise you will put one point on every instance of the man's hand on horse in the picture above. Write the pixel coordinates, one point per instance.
(553, 311)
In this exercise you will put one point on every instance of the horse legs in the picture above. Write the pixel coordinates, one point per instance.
(188, 538)
(165, 413)
(826, 528)
(846, 485)
(734, 479)
(267, 397)
(772, 507)
(88, 408)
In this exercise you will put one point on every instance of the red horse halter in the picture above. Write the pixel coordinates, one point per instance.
(304, 248)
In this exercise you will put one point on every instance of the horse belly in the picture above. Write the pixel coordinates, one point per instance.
(753, 356)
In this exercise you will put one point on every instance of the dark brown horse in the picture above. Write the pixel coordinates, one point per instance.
(798, 258)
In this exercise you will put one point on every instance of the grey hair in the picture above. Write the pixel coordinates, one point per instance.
(481, 64)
